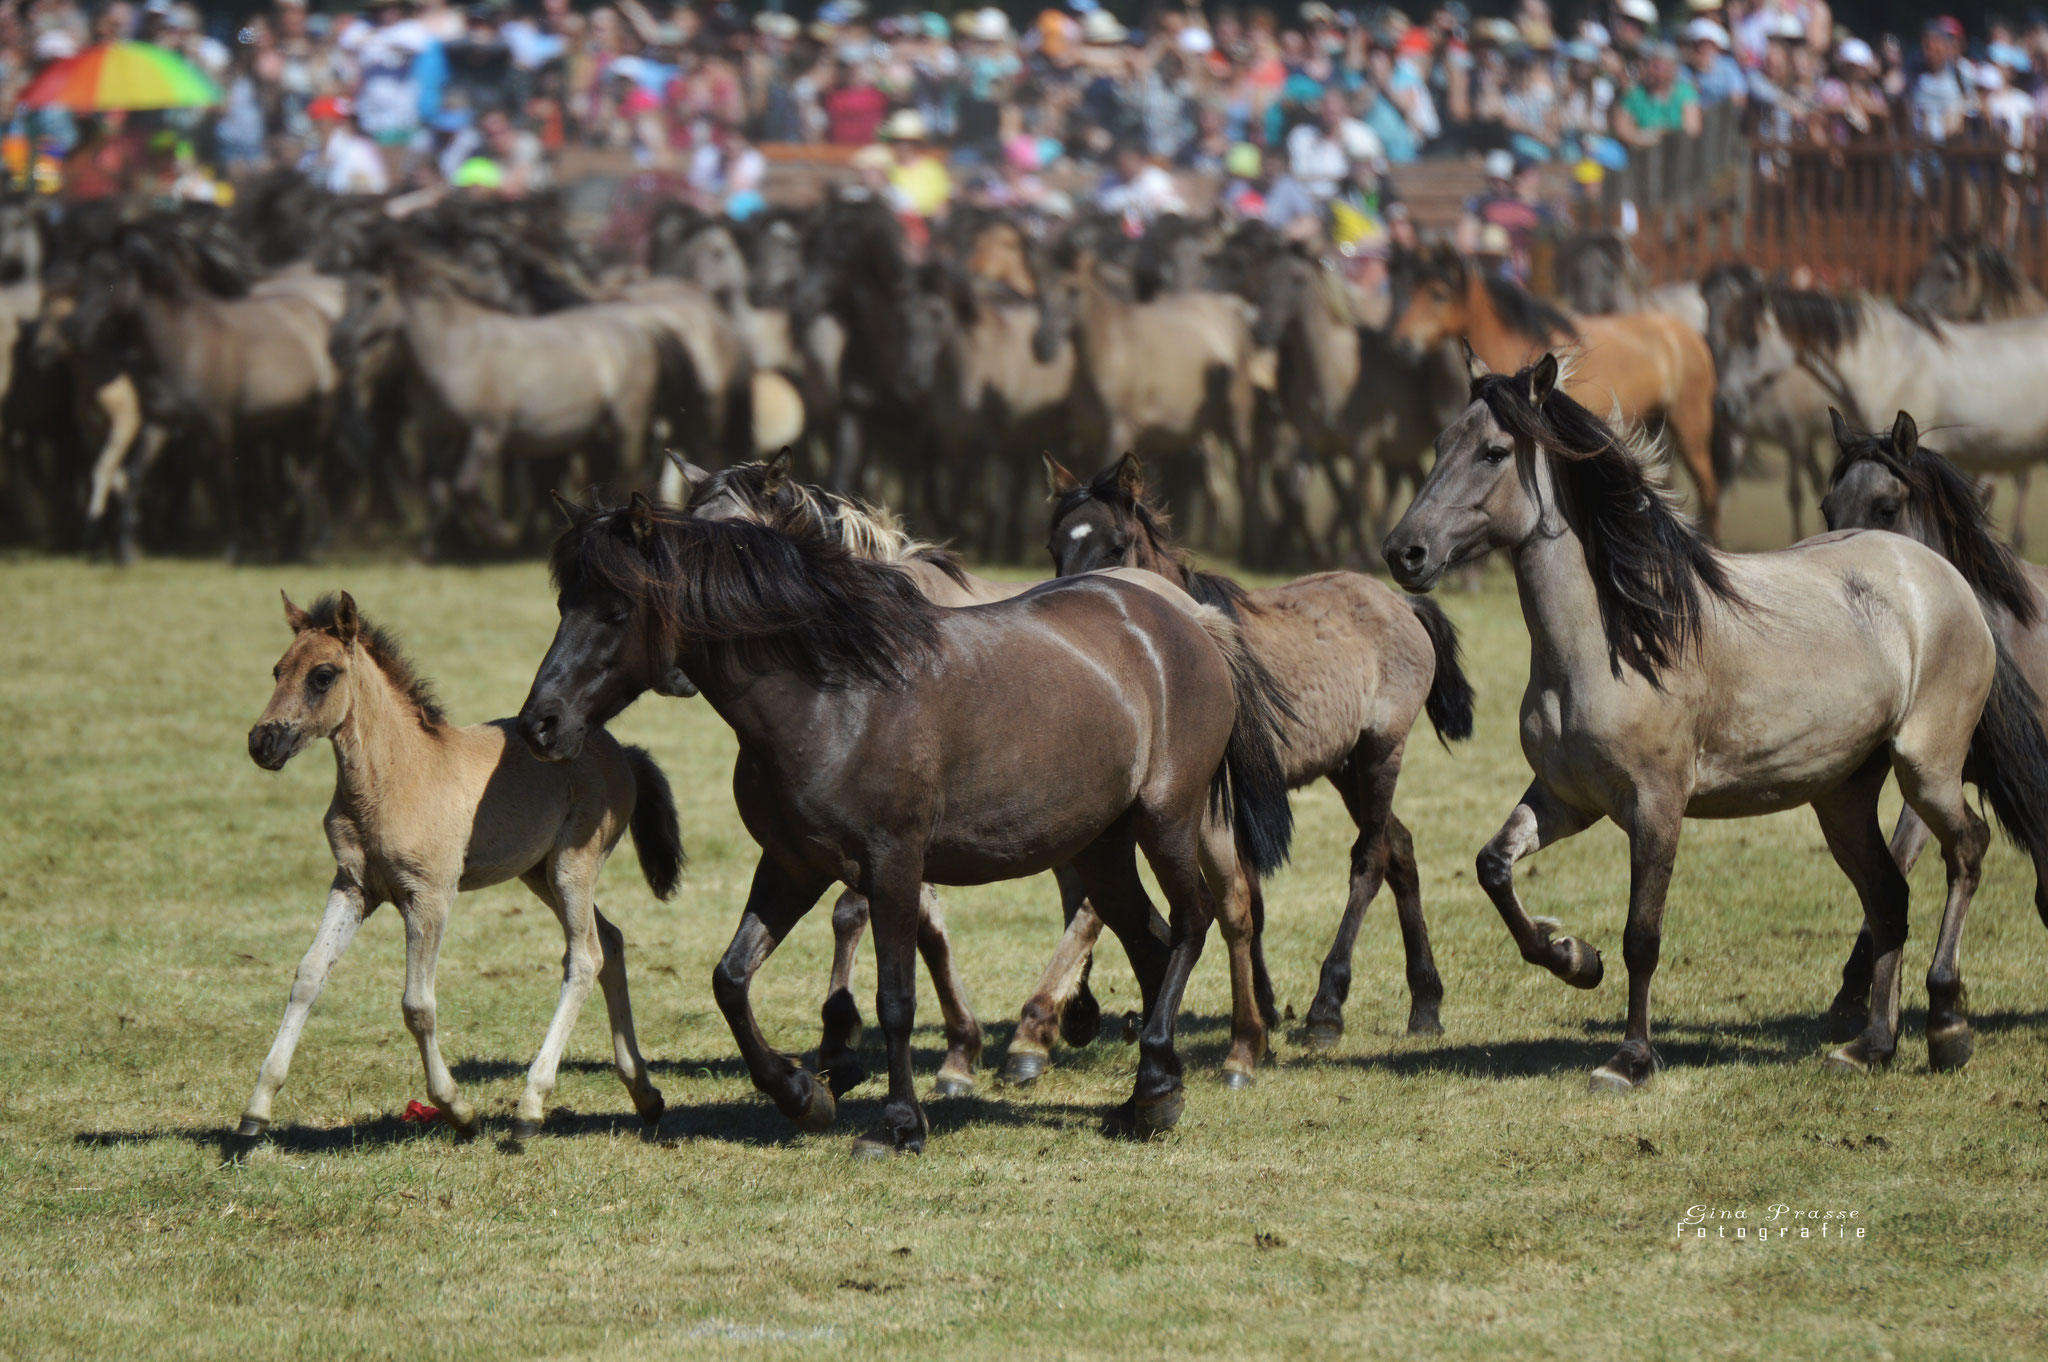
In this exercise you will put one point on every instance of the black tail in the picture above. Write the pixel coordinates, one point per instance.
(1724, 451)
(657, 835)
(2009, 755)
(1250, 788)
(1450, 692)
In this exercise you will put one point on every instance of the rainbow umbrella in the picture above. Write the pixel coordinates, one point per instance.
(121, 76)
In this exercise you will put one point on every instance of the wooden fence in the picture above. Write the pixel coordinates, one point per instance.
(1859, 216)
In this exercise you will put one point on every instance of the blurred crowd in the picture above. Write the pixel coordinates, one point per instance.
(1288, 115)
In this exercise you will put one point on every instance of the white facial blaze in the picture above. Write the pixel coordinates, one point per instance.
(1080, 532)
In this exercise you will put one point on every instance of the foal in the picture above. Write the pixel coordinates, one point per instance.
(1670, 681)
(423, 809)
(1356, 665)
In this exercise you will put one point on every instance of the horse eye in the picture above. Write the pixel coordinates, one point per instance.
(1496, 454)
(320, 678)
(277, 672)
(1887, 510)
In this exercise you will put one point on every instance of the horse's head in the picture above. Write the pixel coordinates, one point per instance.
(314, 692)
(1484, 492)
(1949, 284)
(1751, 350)
(605, 652)
(775, 258)
(1288, 283)
(711, 260)
(371, 317)
(940, 309)
(1096, 524)
(1871, 490)
(1436, 307)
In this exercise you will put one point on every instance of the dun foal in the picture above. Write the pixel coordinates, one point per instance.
(423, 809)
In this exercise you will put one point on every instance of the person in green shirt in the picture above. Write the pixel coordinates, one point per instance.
(1660, 103)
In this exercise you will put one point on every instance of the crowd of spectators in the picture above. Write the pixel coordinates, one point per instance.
(1295, 115)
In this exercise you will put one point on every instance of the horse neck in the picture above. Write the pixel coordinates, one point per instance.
(764, 705)
(1560, 604)
(378, 745)
(1151, 555)
(1502, 348)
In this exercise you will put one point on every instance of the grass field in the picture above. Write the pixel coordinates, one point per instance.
(1397, 1198)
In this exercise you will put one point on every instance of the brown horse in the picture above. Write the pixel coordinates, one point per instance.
(1355, 663)
(1650, 367)
(886, 743)
(422, 810)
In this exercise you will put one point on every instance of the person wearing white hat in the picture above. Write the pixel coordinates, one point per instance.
(1634, 22)
(1319, 154)
(1715, 73)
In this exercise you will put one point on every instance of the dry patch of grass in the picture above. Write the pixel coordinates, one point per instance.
(1397, 1198)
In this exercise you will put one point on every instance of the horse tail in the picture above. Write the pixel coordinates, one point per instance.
(2009, 755)
(1250, 788)
(1724, 452)
(657, 835)
(1449, 705)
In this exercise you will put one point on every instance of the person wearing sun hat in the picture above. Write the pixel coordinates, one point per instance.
(1634, 23)
(1941, 98)
(923, 186)
(1714, 72)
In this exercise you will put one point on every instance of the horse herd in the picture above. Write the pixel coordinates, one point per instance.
(300, 367)
(903, 723)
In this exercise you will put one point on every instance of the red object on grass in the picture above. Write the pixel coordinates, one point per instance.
(420, 1113)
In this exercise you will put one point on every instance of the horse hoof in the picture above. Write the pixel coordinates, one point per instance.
(1950, 1048)
(820, 1111)
(461, 1119)
(1607, 1078)
(1322, 1034)
(866, 1148)
(523, 1129)
(1025, 1067)
(252, 1128)
(1855, 1058)
(1582, 968)
(844, 1078)
(1152, 1116)
(1424, 1024)
(652, 1110)
(952, 1085)
(1238, 1079)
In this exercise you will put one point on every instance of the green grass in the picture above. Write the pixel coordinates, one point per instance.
(1397, 1198)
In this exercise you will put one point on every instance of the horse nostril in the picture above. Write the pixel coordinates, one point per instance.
(1414, 556)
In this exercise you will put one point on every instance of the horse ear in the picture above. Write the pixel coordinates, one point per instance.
(295, 617)
(777, 471)
(347, 623)
(1130, 476)
(1474, 365)
(693, 476)
(1905, 436)
(1056, 474)
(1543, 379)
(643, 525)
(1843, 435)
(571, 512)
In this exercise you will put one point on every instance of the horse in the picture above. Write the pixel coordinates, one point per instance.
(1353, 399)
(1650, 367)
(1669, 681)
(423, 810)
(1165, 372)
(886, 743)
(1891, 481)
(1790, 413)
(1355, 665)
(1974, 380)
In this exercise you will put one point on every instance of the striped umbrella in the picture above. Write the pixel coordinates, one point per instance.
(121, 76)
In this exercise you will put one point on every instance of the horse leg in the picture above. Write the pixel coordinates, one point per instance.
(963, 1032)
(894, 889)
(1366, 782)
(618, 1006)
(569, 882)
(1262, 981)
(479, 457)
(1540, 819)
(1851, 1006)
(1062, 985)
(346, 909)
(1174, 851)
(1425, 985)
(1848, 820)
(426, 917)
(149, 446)
(839, 1050)
(1229, 885)
(1964, 838)
(776, 900)
(1691, 423)
(1652, 848)
(1795, 490)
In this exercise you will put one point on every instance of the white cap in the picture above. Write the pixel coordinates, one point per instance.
(1856, 52)
(1196, 41)
(1783, 25)
(1989, 77)
(1500, 164)
(1642, 11)
(1360, 142)
(1707, 31)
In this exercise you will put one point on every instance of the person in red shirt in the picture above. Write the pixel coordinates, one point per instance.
(854, 109)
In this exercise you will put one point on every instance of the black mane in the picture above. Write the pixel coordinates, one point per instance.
(1999, 278)
(798, 603)
(1814, 323)
(1107, 487)
(1652, 571)
(382, 646)
(1523, 311)
(1957, 509)
(807, 510)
